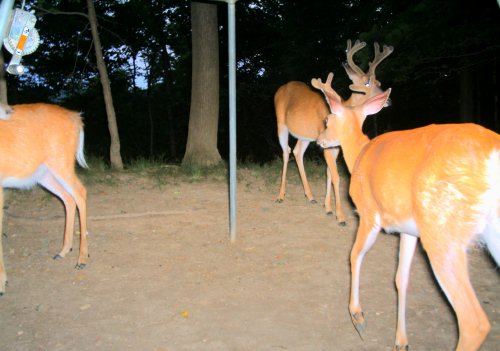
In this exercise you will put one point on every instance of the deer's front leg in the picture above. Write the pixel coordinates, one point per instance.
(365, 238)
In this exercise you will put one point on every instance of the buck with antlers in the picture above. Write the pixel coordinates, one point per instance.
(439, 184)
(38, 145)
(300, 111)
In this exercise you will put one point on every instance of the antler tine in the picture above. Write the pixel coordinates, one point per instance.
(379, 57)
(350, 51)
(318, 83)
(326, 87)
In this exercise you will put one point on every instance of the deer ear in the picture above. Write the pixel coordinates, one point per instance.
(335, 102)
(376, 103)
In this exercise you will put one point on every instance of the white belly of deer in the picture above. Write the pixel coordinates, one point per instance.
(27, 182)
(408, 227)
(301, 137)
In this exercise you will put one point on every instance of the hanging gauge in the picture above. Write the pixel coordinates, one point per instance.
(23, 38)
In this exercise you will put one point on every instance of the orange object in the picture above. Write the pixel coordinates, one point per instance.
(301, 112)
(439, 184)
(39, 144)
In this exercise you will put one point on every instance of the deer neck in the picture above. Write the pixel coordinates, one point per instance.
(352, 142)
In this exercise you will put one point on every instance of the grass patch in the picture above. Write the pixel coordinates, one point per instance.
(99, 172)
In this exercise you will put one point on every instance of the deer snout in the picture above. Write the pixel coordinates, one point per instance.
(326, 143)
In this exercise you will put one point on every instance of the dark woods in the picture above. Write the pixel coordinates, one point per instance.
(445, 66)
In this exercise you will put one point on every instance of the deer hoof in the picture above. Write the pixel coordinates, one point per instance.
(2, 289)
(57, 257)
(359, 323)
(342, 224)
(80, 266)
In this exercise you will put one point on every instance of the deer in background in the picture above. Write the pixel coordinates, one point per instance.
(38, 145)
(300, 111)
(439, 184)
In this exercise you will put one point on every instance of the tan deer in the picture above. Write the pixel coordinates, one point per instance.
(439, 184)
(300, 111)
(38, 145)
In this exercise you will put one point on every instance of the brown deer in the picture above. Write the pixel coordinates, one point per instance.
(38, 145)
(300, 111)
(439, 184)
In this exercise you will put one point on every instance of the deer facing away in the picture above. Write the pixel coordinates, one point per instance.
(439, 184)
(301, 112)
(38, 145)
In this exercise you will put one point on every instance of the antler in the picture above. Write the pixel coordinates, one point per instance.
(350, 51)
(379, 57)
(326, 87)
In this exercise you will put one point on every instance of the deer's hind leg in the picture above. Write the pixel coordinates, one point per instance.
(73, 195)
(449, 263)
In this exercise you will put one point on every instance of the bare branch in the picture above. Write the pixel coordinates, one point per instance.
(56, 12)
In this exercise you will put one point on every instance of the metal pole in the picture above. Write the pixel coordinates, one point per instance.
(232, 117)
(5, 11)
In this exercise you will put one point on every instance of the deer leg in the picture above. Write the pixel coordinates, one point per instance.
(449, 263)
(283, 139)
(333, 178)
(365, 238)
(407, 245)
(3, 274)
(328, 195)
(298, 152)
(70, 190)
(80, 196)
(52, 184)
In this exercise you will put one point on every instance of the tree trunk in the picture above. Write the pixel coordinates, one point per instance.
(114, 152)
(466, 96)
(201, 148)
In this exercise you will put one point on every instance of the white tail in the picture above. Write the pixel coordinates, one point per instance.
(302, 112)
(38, 145)
(439, 183)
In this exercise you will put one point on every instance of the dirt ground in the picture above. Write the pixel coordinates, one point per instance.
(163, 275)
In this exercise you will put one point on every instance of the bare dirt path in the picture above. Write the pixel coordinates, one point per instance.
(163, 276)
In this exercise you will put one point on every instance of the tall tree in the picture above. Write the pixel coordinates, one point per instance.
(60, 79)
(114, 152)
(201, 147)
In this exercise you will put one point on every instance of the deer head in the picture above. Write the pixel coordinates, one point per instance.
(365, 83)
(346, 122)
